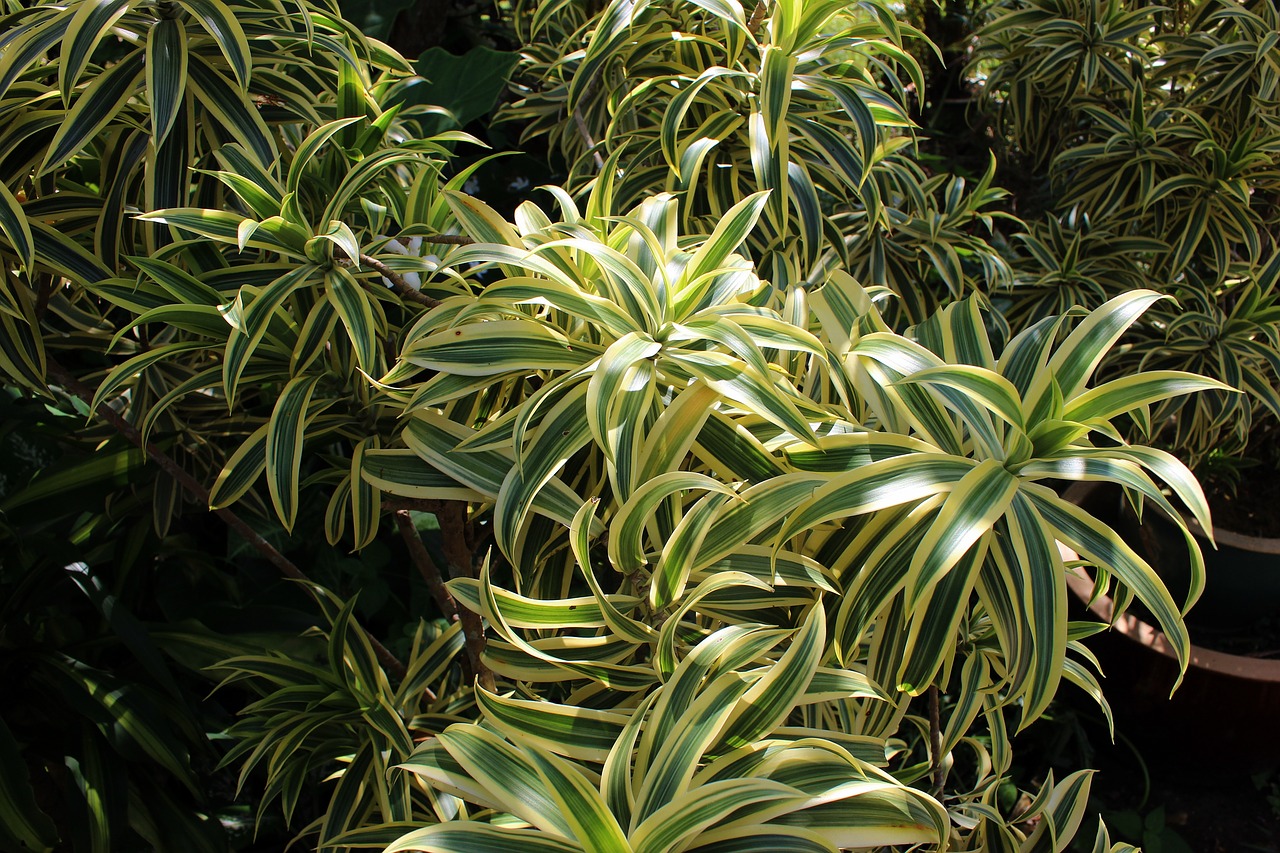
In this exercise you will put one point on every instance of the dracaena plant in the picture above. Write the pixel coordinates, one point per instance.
(337, 702)
(698, 763)
(1232, 331)
(314, 242)
(1165, 145)
(120, 118)
(649, 488)
(805, 100)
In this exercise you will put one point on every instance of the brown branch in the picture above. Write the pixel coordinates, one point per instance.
(43, 294)
(453, 532)
(757, 16)
(415, 504)
(585, 133)
(448, 239)
(937, 771)
(425, 565)
(403, 289)
(193, 487)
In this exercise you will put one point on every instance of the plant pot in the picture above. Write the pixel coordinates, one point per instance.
(1243, 587)
(1222, 716)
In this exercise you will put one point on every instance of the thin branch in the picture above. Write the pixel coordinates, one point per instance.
(757, 16)
(43, 293)
(425, 565)
(453, 532)
(448, 239)
(585, 133)
(193, 487)
(415, 504)
(938, 771)
(401, 287)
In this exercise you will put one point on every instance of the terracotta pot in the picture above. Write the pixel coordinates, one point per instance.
(1243, 571)
(1223, 716)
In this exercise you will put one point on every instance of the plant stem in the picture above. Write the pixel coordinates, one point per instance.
(585, 133)
(414, 504)
(454, 535)
(448, 239)
(937, 771)
(402, 288)
(757, 16)
(193, 487)
(425, 565)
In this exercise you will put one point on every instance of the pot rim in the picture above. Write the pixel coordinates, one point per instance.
(1135, 629)
(1130, 626)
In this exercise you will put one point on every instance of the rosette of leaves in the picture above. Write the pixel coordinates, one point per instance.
(271, 314)
(695, 765)
(1142, 118)
(961, 544)
(1044, 60)
(805, 100)
(594, 325)
(642, 499)
(336, 717)
(118, 118)
(1070, 261)
(1229, 330)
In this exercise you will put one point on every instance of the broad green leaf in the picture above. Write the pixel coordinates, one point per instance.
(585, 734)
(220, 22)
(468, 836)
(508, 774)
(596, 829)
(285, 432)
(467, 86)
(166, 74)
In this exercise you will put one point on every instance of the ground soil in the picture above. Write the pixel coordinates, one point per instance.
(1207, 812)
